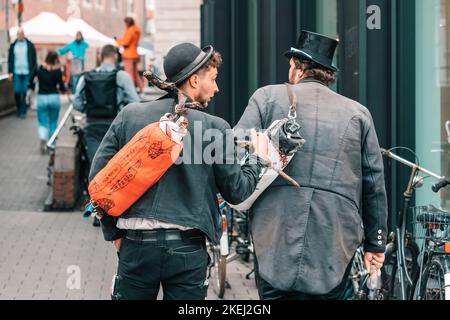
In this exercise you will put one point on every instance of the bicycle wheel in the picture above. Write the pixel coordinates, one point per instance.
(389, 275)
(220, 272)
(431, 285)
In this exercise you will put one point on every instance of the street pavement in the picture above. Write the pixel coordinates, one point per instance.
(58, 255)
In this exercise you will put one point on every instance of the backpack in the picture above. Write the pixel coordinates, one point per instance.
(100, 91)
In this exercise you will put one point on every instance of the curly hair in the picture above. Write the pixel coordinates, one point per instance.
(316, 71)
(214, 62)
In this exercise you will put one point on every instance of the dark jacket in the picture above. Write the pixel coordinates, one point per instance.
(305, 237)
(186, 193)
(32, 59)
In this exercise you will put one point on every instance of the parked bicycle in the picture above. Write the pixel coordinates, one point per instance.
(432, 228)
(235, 243)
(401, 267)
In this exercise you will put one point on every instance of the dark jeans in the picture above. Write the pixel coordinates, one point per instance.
(94, 134)
(267, 292)
(179, 266)
(20, 93)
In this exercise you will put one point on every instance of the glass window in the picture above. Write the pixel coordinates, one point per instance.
(130, 8)
(114, 5)
(433, 95)
(327, 24)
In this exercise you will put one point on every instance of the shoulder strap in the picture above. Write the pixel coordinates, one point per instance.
(292, 101)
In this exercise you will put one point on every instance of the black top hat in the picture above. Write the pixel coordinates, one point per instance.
(315, 47)
(183, 60)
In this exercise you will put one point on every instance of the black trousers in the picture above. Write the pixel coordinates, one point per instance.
(267, 292)
(179, 266)
(94, 134)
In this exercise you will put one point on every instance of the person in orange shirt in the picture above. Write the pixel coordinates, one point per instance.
(130, 55)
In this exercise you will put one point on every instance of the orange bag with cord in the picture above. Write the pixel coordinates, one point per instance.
(143, 160)
(137, 166)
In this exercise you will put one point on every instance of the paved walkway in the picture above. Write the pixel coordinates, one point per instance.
(56, 255)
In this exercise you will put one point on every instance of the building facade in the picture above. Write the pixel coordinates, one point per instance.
(393, 58)
(175, 21)
(104, 15)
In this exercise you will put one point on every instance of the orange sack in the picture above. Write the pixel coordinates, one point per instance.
(135, 168)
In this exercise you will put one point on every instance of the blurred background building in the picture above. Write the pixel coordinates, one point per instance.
(163, 22)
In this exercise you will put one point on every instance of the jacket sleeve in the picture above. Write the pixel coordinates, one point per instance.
(32, 64)
(62, 51)
(235, 182)
(253, 117)
(11, 59)
(126, 40)
(374, 207)
(126, 85)
(109, 146)
(78, 99)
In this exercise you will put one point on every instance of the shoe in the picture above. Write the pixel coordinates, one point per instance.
(96, 222)
(43, 147)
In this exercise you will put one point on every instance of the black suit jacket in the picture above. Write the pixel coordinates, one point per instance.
(32, 60)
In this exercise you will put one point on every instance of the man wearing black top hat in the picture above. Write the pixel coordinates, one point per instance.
(305, 237)
(161, 237)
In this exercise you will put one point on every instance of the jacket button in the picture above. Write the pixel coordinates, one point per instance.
(379, 237)
(379, 231)
(380, 243)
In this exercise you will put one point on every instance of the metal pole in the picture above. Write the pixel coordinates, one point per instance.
(7, 20)
(60, 126)
(19, 12)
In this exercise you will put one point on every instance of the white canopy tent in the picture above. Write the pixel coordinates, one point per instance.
(95, 38)
(45, 28)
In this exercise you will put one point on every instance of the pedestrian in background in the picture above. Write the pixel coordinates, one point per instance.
(77, 48)
(101, 94)
(50, 81)
(21, 67)
(130, 42)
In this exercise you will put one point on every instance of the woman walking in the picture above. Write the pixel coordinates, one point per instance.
(50, 84)
(130, 42)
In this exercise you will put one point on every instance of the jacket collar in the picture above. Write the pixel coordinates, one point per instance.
(311, 79)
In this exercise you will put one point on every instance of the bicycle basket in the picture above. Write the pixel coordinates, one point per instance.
(431, 223)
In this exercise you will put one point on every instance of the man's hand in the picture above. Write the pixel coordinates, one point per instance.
(260, 144)
(373, 259)
(118, 244)
(10, 76)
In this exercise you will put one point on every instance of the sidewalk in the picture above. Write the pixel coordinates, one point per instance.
(42, 253)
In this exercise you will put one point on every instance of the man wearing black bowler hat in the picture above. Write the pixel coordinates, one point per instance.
(160, 239)
(305, 237)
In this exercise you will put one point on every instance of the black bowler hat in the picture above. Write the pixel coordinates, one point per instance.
(315, 47)
(183, 60)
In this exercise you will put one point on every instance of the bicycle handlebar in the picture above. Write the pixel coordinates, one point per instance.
(441, 184)
(436, 187)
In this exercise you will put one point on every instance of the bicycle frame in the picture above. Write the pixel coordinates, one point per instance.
(400, 228)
